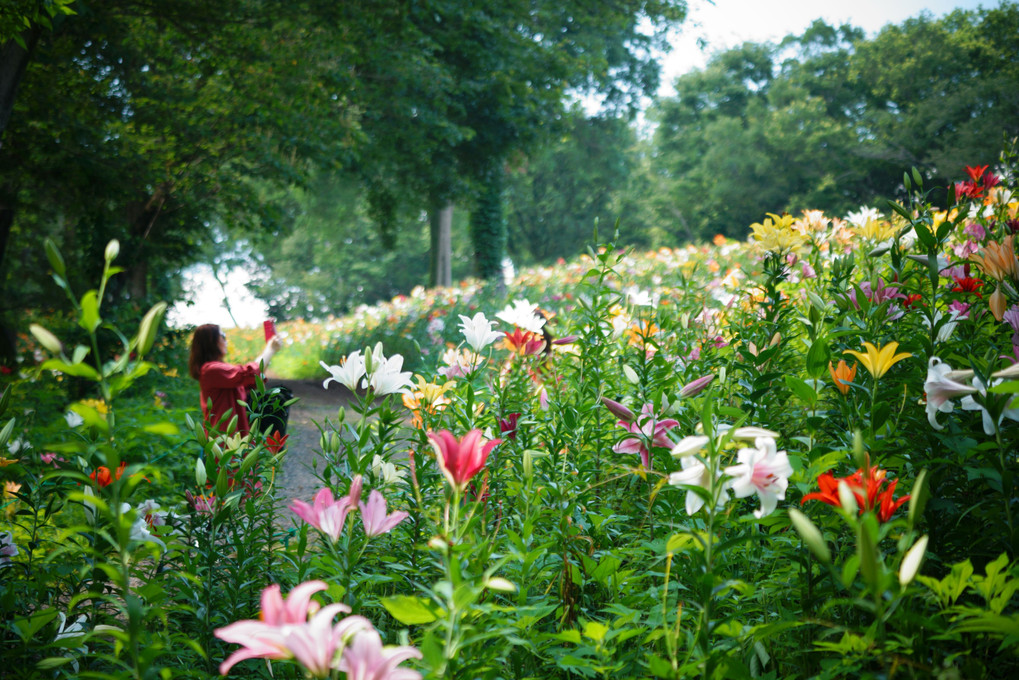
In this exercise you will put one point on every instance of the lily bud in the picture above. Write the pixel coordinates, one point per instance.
(998, 304)
(56, 260)
(619, 410)
(697, 386)
(811, 535)
(46, 339)
(500, 584)
(911, 562)
(112, 250)
(200, 475)
(847, 499)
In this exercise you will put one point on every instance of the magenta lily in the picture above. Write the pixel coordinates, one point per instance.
(649, 432)
(374, 517)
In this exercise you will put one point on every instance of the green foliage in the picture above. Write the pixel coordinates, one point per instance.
(834, 123)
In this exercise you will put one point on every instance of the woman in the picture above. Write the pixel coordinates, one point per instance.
(225, 385)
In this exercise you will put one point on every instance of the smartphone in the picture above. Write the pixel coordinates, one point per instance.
(269, 326)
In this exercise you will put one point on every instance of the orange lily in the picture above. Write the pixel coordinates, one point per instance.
(842, 375)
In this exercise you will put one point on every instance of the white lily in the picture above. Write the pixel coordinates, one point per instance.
(762, 470)
(970, 404)
(478, 331)
(348, 373)
(522, 314)
(941, 386)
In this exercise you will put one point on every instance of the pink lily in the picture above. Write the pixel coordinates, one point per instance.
(374, 517)
(365, 658)
(316, 644)
(461, 460)
(277, 612)
(649, 432)
(269, 638)
(326, 514)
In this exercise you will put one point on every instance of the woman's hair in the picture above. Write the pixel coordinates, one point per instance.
(204, 348)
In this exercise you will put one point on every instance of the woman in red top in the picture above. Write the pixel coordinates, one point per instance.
(225, 385)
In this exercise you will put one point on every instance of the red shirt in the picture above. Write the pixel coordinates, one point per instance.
(225, 384)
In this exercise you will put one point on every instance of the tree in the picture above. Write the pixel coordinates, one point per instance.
(559, 192)
(837, 122)
(503, 71)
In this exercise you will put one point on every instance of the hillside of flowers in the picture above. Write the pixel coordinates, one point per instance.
(793, 457)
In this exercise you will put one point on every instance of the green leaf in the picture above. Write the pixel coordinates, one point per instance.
(77, 370)
(817, 358)
(164, 428)
(410, 610)
(802, 390)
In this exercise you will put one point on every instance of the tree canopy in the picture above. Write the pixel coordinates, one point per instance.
(830, 119)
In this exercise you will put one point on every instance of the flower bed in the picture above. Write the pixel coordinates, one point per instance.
(793, 457)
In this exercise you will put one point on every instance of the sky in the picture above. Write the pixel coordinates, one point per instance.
(721, 25)
(727, 23)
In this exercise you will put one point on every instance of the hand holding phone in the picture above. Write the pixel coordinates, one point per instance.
(269, 326)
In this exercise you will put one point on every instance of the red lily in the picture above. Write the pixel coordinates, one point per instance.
(524, 343)
(508, 425)
(975, 172)
(103, 477)
(461, 460)
(866, 485)
(968, 285)
(276, 442)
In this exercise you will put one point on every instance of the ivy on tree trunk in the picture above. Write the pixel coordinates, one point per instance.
(488, 230)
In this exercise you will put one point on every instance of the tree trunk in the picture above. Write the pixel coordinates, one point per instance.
(440, 228)
(488, 230)
(13, 60)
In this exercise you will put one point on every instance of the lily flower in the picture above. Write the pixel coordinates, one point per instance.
(762, 470)
(866, 486)
(970, 404)
(276, 442)
(461, 460)
(374, 517)
(72, 632)
(941, 386)
(326, 514)
(843, 375)
(649, 431)
(103, 477)
(8, 548)
(387, 378)
(524, 315)
(998, 260)
(348, 373)
(297, 628)
(695, 473)
(365, 657)
(316, 644)
(478, 331)
(508, 425)
(877, 361)
(523, 342)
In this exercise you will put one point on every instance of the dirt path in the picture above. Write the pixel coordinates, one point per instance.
(315, 405)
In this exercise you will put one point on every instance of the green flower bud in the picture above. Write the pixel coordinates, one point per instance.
(46, 339)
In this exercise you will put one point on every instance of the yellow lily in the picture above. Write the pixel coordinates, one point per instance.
(878, 361)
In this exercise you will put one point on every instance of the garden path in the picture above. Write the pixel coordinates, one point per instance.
(315, 405)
